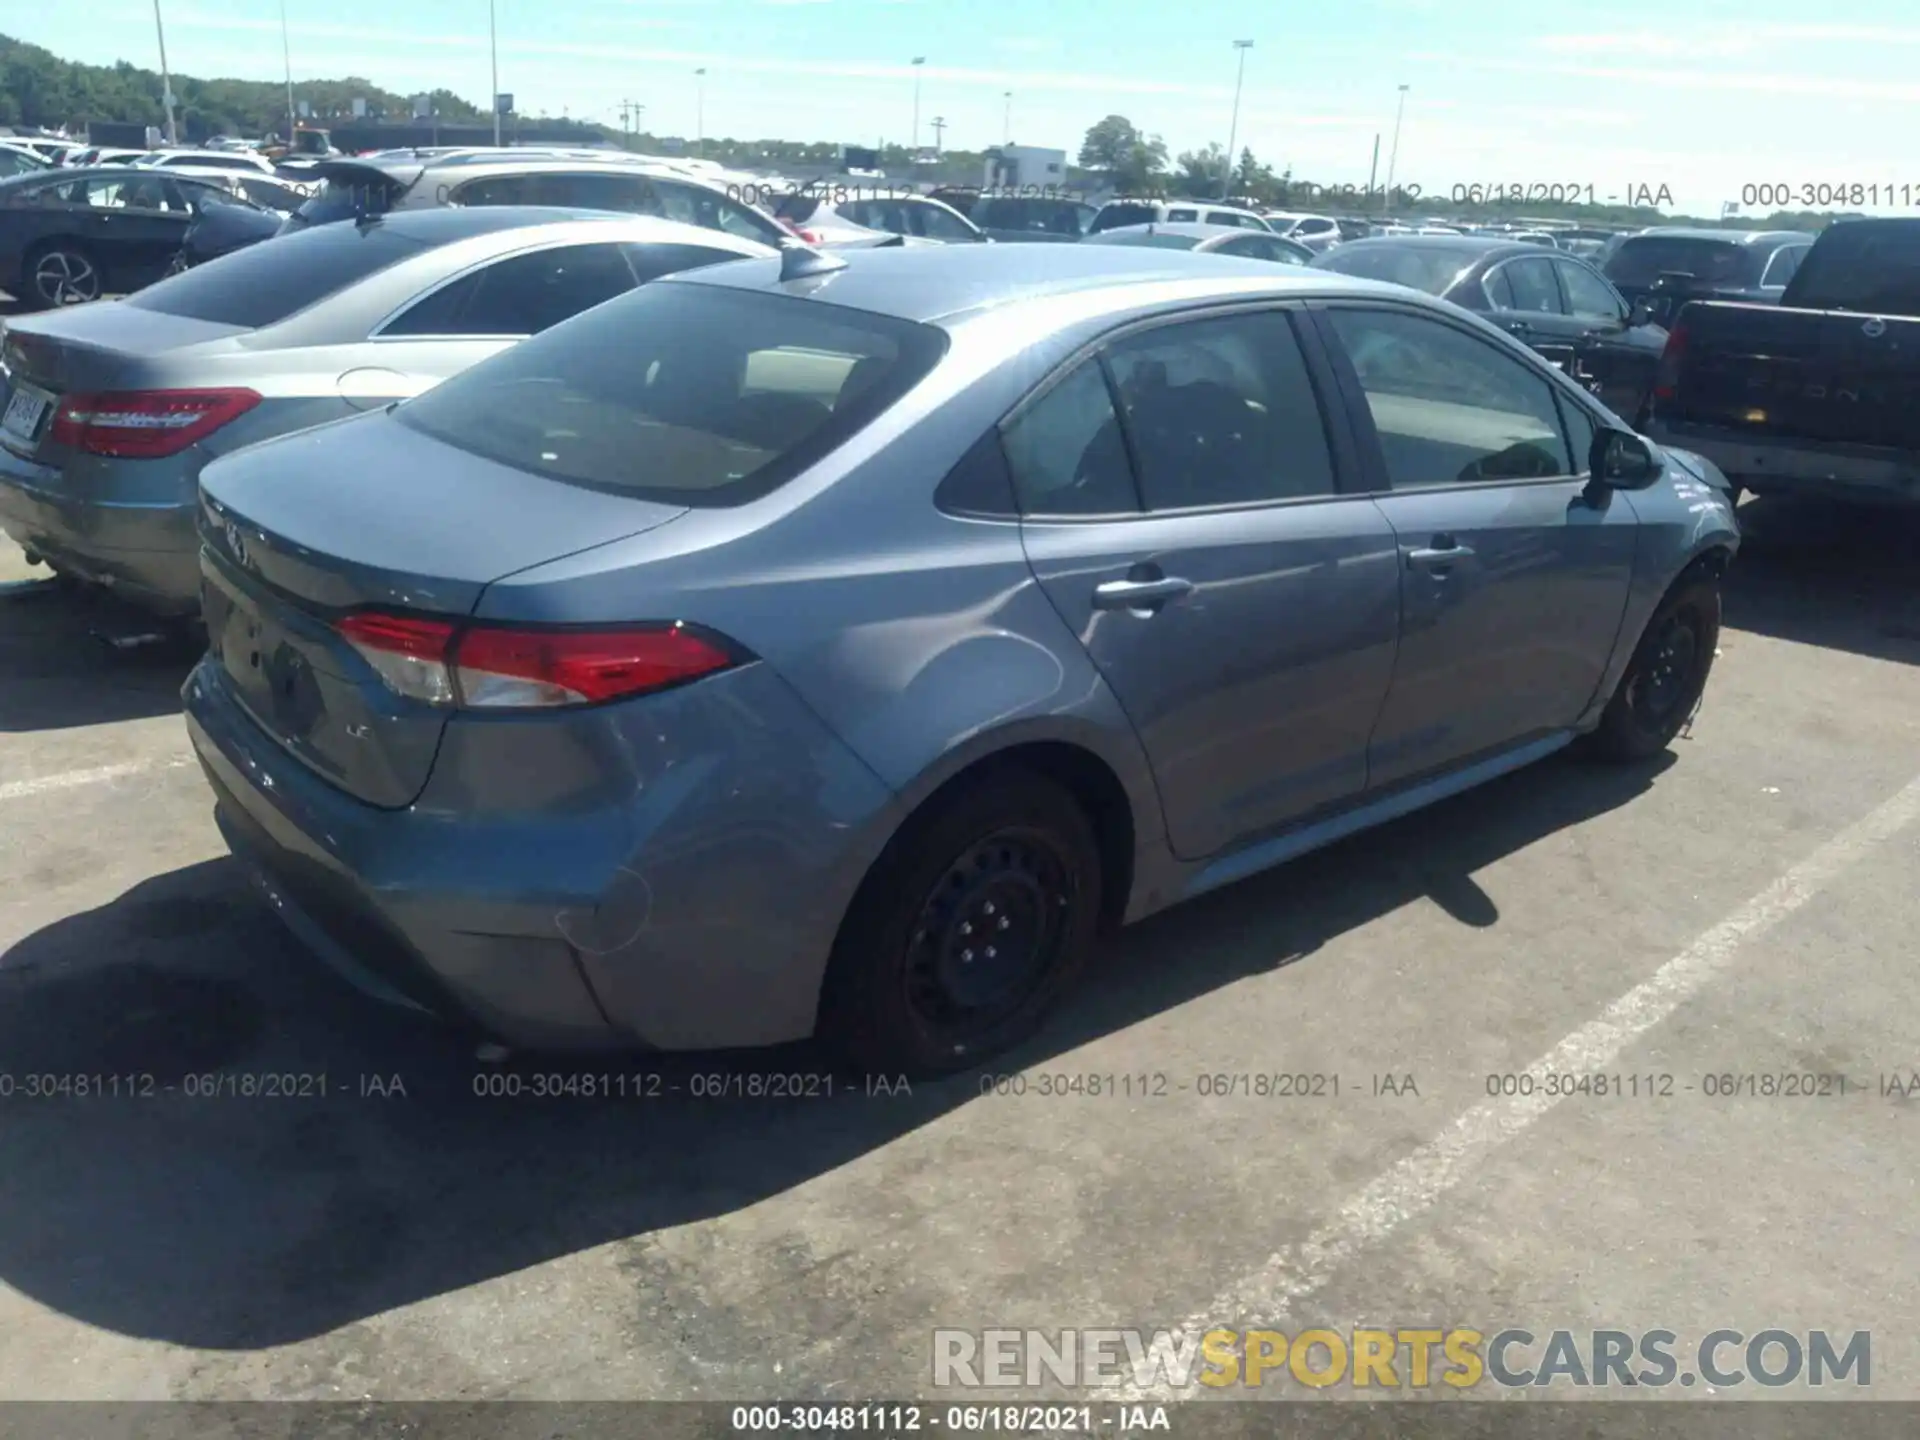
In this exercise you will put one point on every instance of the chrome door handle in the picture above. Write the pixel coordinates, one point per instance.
(1139, 594)
(1439, 558)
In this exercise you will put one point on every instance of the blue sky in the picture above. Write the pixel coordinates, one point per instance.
(1699, 96)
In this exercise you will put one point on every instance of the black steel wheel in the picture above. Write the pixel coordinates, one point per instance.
(1668, 674)
(975, 920)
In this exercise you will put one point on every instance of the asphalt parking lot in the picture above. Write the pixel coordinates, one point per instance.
(1752, 897)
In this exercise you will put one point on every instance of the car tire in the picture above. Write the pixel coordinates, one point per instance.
(914, 986)
(45, 268)
(1663, 682)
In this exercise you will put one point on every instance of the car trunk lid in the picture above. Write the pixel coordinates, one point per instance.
(368, 514)
(89, 348)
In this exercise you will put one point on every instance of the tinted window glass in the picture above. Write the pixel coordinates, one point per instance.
(1431, 269)
(1780, 269)
(526, 294)
(1121, 213)
(695, 205)
(1533, 287)
(1221, 412)
(691, 394)
(1066, 451)
(1588, 295)
(650, 262)
(347, 199)
(1450, 409)
(937, 224)
(1045, 217)
(1866, 265)
(1499, 289)
(1184, 214)
(1643, 259)
(264, 284)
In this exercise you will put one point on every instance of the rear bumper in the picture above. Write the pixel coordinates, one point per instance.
(1766, 465)
(672, 916)
(144, 549)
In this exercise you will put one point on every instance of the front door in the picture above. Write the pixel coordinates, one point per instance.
(1528, 305)
(1612, 359)
(1183, 513)
(1514, 572)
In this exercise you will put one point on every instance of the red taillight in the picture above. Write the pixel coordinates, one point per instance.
(1666, 376)
(146, 424)
(496, 667)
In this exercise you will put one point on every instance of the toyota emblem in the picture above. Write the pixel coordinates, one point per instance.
(1874, 328)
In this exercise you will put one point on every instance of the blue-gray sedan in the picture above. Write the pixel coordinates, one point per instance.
(841, 646)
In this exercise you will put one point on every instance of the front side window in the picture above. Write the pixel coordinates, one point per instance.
(1780, 269)
(1588, 296)
(695, 205)
(1067, 453)
(680, 392)
(1450, 409)
(1221, 412)
(936, 224)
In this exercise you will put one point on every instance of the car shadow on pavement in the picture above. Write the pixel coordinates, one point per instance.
(1840, 577)
(381, 1172)
(61, 668)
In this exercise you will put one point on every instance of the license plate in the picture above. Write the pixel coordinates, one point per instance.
(25, 411)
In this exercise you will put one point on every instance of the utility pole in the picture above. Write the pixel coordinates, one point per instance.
(286, 54)
(939, 131)
(166, 79)
(1373, 171)
(918, 61)
(493, 48)
(1008, 119)
(700, 111)
(1233, 130)
(1393, 155)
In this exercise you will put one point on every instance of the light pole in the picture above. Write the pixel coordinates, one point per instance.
(1233, 129)
(918, 61)
(286, 55)
(166, 79)
(700, 110)
(1393, 155)
(1008, 122)
(493, 49)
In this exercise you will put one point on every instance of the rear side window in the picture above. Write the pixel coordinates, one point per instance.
(1185, 215)
(1113, 216)
(1043, 217)
(1221, 412)
(521, 295)
(684, 393)
(1067, 452)
(264, 284)
(627, 193)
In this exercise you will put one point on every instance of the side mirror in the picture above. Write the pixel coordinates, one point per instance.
(1640, 314)
(1622, 461)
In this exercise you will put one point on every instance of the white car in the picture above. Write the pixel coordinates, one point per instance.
(208, 160)
(1319, 233)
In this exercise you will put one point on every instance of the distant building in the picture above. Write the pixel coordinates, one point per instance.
(1010, 166)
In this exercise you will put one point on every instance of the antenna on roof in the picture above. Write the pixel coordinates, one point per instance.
(798, 262)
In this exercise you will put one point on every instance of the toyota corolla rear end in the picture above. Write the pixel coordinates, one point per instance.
(569, 813)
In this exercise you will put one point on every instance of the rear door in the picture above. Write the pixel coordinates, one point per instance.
(1531, 308)
(1183, 511)
(482, 312)
(1513, 577)
(1612, 359)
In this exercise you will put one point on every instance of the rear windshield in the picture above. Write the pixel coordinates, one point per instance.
(264, 284)
(1041, 217)
(1423, 268)
(359, 198)
(1860, 266)
(1645, 258)
(1121, 212)
(684, 393)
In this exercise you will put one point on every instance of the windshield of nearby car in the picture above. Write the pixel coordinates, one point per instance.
(1643, 259)
(692, 394)
(1429, 268)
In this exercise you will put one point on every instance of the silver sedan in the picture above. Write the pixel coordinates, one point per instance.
(109, 411)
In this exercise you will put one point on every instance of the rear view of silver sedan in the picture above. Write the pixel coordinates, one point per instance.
(838, 644)
(112, 409)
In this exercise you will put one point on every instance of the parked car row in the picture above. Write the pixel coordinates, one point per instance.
(624, 634)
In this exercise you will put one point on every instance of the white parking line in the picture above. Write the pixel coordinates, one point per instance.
(71, 779)
(1417, 1183)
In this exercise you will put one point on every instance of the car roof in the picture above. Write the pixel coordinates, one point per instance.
(1731, 237)
(445, 224)
(1198, 229)
(940, 283)
(1457, 244)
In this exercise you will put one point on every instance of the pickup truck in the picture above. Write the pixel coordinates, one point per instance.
(1817, 395)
